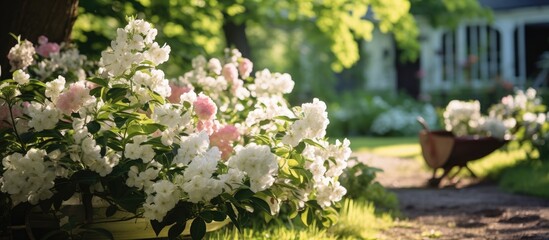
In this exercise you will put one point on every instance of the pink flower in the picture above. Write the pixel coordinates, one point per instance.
(5, 116)
(245, 67)
(177, 91)
(230, 72)
(46, 48)
(223, 139)
(72, 99)
(204, 107)
(208, 125)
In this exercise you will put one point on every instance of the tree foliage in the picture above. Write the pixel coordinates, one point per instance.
(194, 27)
(449, 13)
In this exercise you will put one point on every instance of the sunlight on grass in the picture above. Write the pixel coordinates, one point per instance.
(368, 143)
(492, 165)
(357, 221)
(528, 176)
(401, 150)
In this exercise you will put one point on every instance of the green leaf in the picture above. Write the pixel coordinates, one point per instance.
(300, 147)
(198, 228)
(152, 127)
(93, 127)
(85, 177)
(99, 81)
(219, 216)
(243, 194)
(96, 92)
(285, 118)
(306, 216)
(111, 210)
(46, 204)
(116, 94)
(311, 142)
(207, 216)
(66, 189)
(293, 211)
(176, 230)
(157, 226)
(232, 215)
(258, 202)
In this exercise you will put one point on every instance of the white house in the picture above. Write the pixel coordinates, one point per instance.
(476, 53)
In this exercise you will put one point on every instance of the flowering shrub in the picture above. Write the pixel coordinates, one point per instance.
(215, 144)
(521, 117)
(359, 113)
(48, 60)
(531, 128)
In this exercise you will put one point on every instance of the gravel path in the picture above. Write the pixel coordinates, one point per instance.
(466, 210)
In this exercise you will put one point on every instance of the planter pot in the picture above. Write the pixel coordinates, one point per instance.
(122, 225)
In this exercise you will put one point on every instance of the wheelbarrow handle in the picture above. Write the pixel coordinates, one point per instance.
(423, 123)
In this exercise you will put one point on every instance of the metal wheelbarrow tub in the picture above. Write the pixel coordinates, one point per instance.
(441, 149)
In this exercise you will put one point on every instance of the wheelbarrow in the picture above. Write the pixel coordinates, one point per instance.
(441, 149)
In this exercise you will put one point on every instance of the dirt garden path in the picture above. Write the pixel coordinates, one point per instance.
(466, 210)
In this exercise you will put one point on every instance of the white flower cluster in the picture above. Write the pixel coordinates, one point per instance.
(21, 55)
(85, 150)
(259, 164)
(462, 118)
(268, 84)
(43, 116)
(327, 164)
(527, 108)
(62, 62)
(27, 178)
(160, 199)
(495, 127)
(133, 45)
(312, 123)
(21, 77)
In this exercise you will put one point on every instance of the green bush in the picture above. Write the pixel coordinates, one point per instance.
(359, 180)
(359, 113)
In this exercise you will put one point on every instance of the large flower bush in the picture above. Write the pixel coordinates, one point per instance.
(520, 117)
(215, 144)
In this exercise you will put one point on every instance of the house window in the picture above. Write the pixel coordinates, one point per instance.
(471, 54)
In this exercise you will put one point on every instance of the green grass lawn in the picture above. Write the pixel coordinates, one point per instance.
(357, 220)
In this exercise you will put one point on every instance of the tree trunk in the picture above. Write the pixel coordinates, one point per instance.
(235, 35)
(31, 19)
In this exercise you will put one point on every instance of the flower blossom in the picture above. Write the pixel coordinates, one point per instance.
(462, 117)
(259, 164)
(230, 73)
(46, 48)
(163, 197)
(21, 55)
(204, 108)
(27, 178)
(177, 91)
(43, 116)
(312, 125)
(73, 98)
(21, 77)
(245, 67)
(223, 137)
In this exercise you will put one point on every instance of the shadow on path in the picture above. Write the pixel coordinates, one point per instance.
(468, 210)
